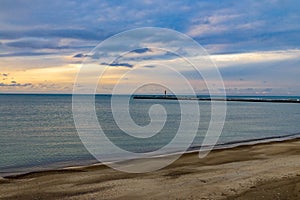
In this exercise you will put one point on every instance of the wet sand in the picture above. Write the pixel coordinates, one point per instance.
(262, 171)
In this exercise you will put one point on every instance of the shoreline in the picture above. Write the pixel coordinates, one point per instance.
(92, 162)
(219, 147)
(233, 173)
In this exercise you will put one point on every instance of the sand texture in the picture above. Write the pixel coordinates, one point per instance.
(263, 171)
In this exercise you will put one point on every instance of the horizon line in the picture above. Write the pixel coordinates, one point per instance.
(107, 94)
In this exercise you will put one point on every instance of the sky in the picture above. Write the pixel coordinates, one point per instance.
(254, 44)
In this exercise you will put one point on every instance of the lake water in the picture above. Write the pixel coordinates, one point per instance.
(38, 131)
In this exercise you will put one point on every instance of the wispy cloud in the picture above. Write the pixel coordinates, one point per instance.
(252, 58)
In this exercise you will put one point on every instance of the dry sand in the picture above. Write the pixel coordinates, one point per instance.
(263, 171)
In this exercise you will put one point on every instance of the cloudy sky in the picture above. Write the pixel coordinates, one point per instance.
(255, 44)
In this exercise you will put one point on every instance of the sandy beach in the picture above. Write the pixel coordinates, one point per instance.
(262, 171)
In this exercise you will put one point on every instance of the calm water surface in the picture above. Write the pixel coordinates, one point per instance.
(38, 131)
